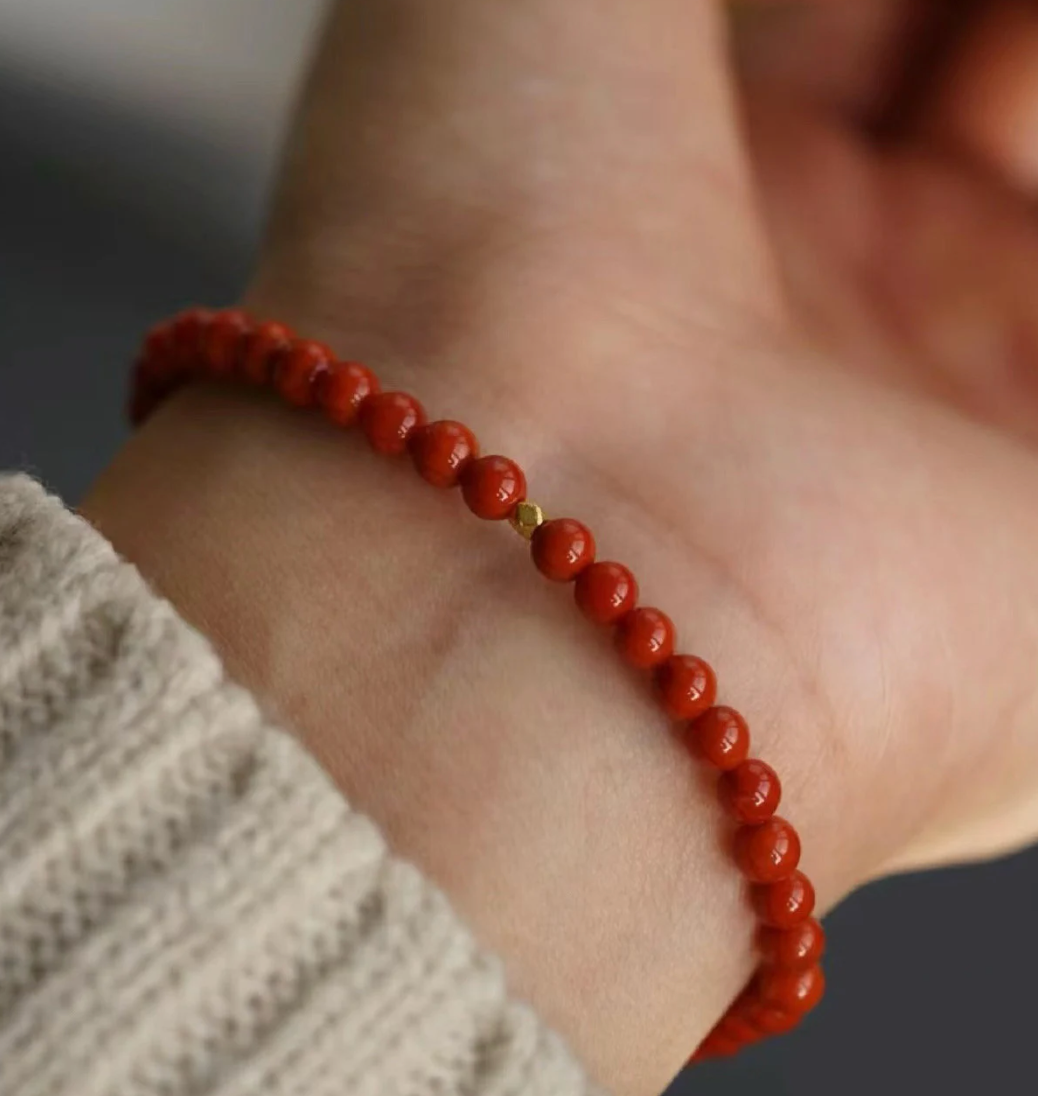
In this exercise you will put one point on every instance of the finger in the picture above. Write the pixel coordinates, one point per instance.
(846, 54)
(985, 103)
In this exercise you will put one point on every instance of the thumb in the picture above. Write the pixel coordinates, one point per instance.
(986, 105)
(441, 131)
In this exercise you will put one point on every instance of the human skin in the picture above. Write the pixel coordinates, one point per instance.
(805, 419)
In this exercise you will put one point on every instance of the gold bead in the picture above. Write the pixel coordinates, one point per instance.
(525, 519)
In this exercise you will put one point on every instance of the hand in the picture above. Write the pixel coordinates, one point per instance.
(895, 153)
(540, 218)
(894, 150)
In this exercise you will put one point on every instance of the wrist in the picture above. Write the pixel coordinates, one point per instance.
(456, 699)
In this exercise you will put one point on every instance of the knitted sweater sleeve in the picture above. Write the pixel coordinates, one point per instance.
(187, 905)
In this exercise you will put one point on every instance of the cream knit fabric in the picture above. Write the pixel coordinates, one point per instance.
(186, 903)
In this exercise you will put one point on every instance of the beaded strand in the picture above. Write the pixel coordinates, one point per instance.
(229, 345)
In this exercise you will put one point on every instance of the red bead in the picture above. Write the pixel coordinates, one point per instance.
(746, 1007)
(261, 351)
(492, 487)
(224, 341)
(720, 737)
(342, 388)
(791, 991)
(716, 1045)
(297, 367)
(686, 686)
(735, 1026)
(189, 330)
(441, 450)
(794, 949)
(768, 852)
(750, 792)
(388, 420)
(773, 1021)
(562, 548)
(606, 592)
(645, 637)
(786, 903)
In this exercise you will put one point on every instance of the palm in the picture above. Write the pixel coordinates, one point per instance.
(909, 255)
(907, 261)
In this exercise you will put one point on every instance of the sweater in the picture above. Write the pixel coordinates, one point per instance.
(187, 904)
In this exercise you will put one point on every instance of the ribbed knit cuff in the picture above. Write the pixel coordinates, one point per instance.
(187, 905)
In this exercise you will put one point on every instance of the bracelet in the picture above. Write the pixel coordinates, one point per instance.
(229, 345)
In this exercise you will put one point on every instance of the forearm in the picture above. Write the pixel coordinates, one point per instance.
(188, 905)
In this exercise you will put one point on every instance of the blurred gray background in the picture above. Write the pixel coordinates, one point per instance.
(137, 144)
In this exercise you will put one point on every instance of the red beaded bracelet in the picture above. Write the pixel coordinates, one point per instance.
(229, 345)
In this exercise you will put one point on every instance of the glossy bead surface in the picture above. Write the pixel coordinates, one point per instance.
(785, 904)
(750, 792)
(261, 350)
(686, 686)
(645, 637)
(189, 329)
(224, 341)
(795, 948)
(492, 487)
(771, 1020)
(747, 1007)
(388, 419)
(562, 548)
(605, 592)
(296, 369)
(441, 450)
(791, 991)
(342, 388)
(720, 738)
(768, 852)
